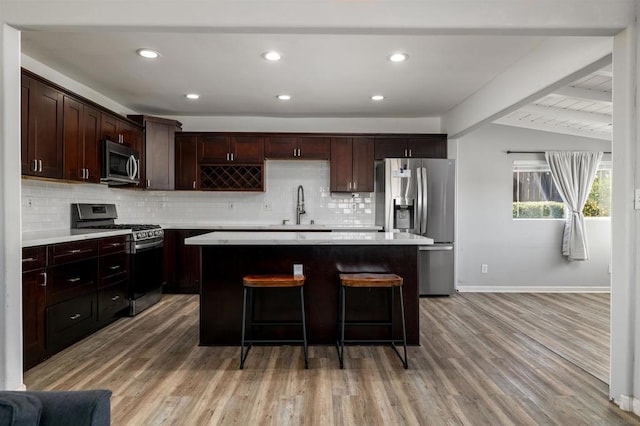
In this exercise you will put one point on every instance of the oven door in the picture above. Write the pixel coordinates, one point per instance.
(146, 270)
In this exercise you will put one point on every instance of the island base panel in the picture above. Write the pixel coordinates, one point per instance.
(223, 267)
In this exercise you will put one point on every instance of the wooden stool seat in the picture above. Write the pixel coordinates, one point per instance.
(370, 280)
(273, 280)
(270, 283)
(364, 280)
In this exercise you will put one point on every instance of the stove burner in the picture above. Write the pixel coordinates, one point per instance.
(133, 227)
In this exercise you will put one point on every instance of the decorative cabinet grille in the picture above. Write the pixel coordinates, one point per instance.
(222, 177)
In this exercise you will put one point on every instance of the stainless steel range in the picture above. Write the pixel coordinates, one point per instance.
(145, 244)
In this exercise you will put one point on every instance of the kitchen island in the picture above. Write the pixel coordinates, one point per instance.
(227, 256)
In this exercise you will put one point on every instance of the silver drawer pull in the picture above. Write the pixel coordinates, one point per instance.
(115, 244)
(44, 282)
(75, 251)
(29, 259)
(75, 317)
(114, 267)
(114, 298)
(73, 280)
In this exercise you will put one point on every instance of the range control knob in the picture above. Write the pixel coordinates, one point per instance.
(138, 235)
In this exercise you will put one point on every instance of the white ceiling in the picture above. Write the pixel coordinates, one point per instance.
(327, 75)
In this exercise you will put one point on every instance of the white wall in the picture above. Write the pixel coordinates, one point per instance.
(519, 253)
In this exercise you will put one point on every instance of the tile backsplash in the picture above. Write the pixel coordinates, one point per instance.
(46, 204)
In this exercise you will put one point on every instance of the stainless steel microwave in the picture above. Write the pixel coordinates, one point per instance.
(120, 164)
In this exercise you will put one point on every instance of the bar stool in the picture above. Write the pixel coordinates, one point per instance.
(251, 282)
(371, 280)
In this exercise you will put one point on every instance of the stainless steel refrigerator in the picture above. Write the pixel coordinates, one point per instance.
(418, 196)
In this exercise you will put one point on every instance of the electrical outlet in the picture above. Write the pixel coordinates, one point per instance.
(230, 206)
(297, 269)
(485, 268)
(29, 202)
(266, 206)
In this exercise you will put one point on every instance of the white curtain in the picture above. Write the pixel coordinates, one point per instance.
(573, 173)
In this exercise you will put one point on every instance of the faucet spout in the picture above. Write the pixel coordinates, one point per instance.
(300, 204)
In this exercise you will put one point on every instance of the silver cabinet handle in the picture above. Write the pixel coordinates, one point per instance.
(232, 156)
(294, 152)
(74, 251)
(114, 267)
(410, 154)
(194, 184)
(114, 298)
(35, 166)
(227, 156)
(148, 183)
(299, 154)
(115, 244)
(73, 280)
(40, 166)
(75, 317)
(44, 276)
(28, 259)
(355, 185)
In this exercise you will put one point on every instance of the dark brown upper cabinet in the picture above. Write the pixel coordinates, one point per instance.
(297, 147)
(42, 127)
(411, 146)
(159, 150)
(216, 148)
(81, 138)
(186, 168)
(352, 164)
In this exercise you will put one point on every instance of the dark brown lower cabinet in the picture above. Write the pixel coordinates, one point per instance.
(67, 322)
(112, 302)
(182, 262)
(33, 305)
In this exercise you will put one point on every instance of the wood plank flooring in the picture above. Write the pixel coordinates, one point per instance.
(473, 368)
(575, 326)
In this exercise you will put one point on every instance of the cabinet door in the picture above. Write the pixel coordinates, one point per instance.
(247, 149)
(280, 147)
(213, 148)
(33, 309)
(428, 146)
(363, 167)
(73, 141)
(341, 164)
(48, 131)
(27, 146)
(390, 148)
(69, 321)
(184, 262)
(109, 128)
(186, 168)
(91, 143)
(160, 155)
(311, 148)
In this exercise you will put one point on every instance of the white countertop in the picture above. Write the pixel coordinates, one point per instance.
(41, 238)
(288, 227)
(308, 238)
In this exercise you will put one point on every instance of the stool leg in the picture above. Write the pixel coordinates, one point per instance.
(304, 329)
(343, 302)
(243, 354)
(391, 312)
(405, 361)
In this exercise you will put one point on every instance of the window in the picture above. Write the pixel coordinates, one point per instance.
(535, 196)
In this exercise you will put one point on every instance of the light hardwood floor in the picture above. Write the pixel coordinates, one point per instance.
(472, 368)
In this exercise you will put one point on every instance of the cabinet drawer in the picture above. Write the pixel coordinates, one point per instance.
(34, 258)
(72, 279)
(69, 321)
(112, 302)
(70, 252)
(114, 268)
(113, 245)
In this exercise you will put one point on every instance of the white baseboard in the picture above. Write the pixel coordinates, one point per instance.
(628, 403)
(533, 289)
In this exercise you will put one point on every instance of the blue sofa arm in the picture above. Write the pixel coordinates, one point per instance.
(56, 408)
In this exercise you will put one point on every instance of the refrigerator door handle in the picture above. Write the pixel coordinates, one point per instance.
(420, 206)
(435, 248)
(425, 203)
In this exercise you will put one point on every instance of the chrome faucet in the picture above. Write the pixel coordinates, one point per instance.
(300, 204)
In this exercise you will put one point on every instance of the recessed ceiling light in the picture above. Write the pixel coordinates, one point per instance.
(192, 96)
(272, 56)
(284, 97)
(148, 53)
(398, 57)
(377, 97)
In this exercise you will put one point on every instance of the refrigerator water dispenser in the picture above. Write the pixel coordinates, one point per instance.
(403, 216)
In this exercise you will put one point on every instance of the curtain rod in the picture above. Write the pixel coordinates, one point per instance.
(540, 152)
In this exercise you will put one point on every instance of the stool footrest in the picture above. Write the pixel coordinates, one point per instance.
(386, 323)
(274, 323)
(250, 342)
